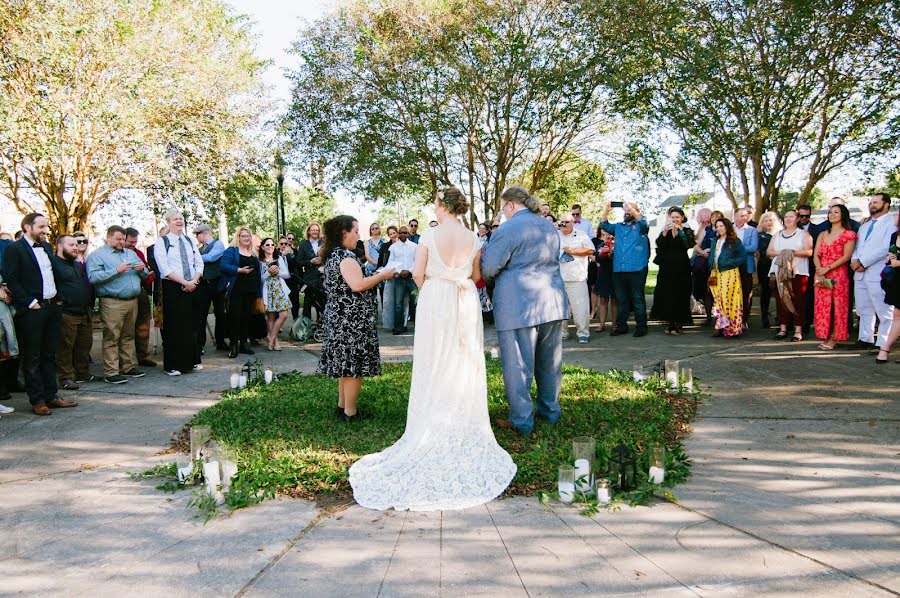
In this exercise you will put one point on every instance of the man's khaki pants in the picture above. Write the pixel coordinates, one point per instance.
(118, 317)
(580, 304)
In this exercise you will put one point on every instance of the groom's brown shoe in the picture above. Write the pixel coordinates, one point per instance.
(505, 424)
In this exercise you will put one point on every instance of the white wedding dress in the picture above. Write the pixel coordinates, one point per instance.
(448, 457)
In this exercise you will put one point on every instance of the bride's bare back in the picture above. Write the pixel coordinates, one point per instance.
(454, 243)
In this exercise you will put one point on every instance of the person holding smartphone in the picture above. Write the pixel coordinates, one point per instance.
(630, 261)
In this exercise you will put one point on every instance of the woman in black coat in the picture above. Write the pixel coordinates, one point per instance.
(672, 297)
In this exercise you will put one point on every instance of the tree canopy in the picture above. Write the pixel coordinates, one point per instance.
(98, 96)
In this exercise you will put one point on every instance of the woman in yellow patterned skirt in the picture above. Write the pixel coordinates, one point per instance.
(726, 255)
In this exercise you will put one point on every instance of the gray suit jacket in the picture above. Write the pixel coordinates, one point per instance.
(523, 258)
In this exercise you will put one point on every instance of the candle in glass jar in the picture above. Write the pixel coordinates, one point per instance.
(268, 376)
(583, 475)
(211, 476)
(566, 492)
(657, 475)
(242, 381)
(671, 371)
(603, 492)
(235, 380)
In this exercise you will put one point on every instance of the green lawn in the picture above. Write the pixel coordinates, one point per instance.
(288, 440)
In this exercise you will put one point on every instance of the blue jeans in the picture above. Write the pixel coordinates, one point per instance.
(403, 288)
(629, 290)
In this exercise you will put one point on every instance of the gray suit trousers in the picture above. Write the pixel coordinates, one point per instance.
(532, 353)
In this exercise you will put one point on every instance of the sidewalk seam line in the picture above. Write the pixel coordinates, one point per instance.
(506, 548)
(393, 552)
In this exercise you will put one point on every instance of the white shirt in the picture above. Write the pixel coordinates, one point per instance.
(49, 283)
(402, 256)
(872, 251)
(170, 261)
(315, 246)
(585, 226)
(575, 270)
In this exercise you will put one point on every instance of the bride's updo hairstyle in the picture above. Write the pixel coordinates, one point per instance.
(519, 195)
(334, 233)
(454, 200)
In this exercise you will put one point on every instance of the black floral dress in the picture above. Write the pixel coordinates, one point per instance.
(350, 348)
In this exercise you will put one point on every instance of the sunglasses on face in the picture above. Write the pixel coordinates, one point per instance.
(576, 214)
(81, 241)
(283, 243)
(269, 245)
(413, 226)
(804, 215)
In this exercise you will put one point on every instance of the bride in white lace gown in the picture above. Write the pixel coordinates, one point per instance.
(448, 457)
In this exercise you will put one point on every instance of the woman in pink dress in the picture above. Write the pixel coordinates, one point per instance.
(833, 250)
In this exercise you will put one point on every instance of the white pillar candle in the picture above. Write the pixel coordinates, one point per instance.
(235, 380)
(566, 492)
(495, 353)
(242, 381)
(229, 470)
(638, 377)
(268, 376)
(185, 472)
(657, 475)
(603, 495)
(583, 475)
(211, 476)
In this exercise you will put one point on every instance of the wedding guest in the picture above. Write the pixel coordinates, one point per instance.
(789, 250)
(833, 251)
(700, 261)
(387, 299)
(350, 349)
(211, 250)
(573, 266)
(672, 296)
(804, 214)
(77, 330)
(309, 262)
(373, 247)
(604, 245)
(142, 320)
(769, 224)
(892, 298)
(750, 238)
(432, 223)
(549, 217)
(180, 269)
(414, 230)
(703, 247)
(117, 275)
(545, 209)
(402, 261)
(295, 282)
(867, 262)
(6, 237)
(241, 283)
(582, 224)
(482, 233)
(727, 254)
(629, 266)
(274, 291)
(9, 345)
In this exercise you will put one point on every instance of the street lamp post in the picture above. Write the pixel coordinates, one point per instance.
(281, 197)
(278, 174)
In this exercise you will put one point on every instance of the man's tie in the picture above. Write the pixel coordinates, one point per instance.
(185, 267)
(36, 245)
(869, 231)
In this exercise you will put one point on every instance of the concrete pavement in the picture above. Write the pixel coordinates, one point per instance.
(796, 489)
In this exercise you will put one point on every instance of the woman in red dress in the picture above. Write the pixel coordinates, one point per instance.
(832, 255)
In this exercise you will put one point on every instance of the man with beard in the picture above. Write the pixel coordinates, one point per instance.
(630, 261)
(76, 334)
(28, 271)
(868, 260)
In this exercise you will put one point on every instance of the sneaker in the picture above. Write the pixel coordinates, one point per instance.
(69, 385)
(5, 409)
(117, 379)
(84, 379)
(172, 373)
(134, 373)
(582, 340)
(198, 366)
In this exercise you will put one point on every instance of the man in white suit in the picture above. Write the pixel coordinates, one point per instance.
(867, 262)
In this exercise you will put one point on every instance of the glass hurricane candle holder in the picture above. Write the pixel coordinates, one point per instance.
(200, 435)
(584, 449)
(657, 471)
(641, 372)
(671, 373)
(566, 484)
(687, 379)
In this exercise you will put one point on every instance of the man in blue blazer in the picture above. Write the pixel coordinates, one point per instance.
(530, 308)
(750, 238)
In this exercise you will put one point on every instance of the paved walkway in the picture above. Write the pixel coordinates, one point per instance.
(796, 489)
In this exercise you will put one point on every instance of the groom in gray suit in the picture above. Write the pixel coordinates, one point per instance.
(530, 308)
